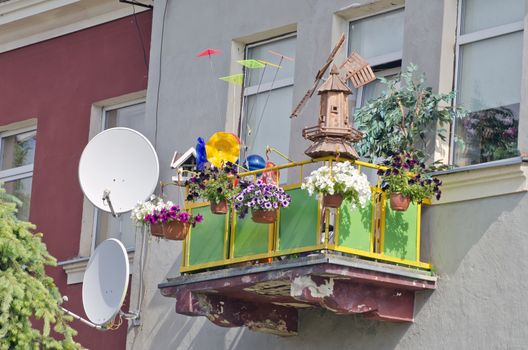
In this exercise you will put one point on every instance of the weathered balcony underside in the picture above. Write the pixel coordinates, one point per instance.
(267, 297)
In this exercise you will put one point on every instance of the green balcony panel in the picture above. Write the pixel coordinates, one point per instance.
(401, 232)
(355, 226)
(250, 238)
(298, 222)
(206, 240)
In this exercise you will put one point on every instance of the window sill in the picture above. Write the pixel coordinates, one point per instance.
(483, 180)
(75, 267)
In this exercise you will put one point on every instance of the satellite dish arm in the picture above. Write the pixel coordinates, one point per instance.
(85, 321)
(106, 197)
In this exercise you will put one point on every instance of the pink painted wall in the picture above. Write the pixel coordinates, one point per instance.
(57, 81)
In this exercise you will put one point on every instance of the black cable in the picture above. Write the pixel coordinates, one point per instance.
(140, 38)
(159, 72)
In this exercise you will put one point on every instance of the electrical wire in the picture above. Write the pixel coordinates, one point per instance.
(140, 38)
(159, 72)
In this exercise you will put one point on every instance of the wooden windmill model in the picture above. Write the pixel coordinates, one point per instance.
(333, 135)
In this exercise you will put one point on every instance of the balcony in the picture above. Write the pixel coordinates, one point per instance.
(349, 261)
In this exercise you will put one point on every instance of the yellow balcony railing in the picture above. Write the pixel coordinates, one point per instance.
(375, 232)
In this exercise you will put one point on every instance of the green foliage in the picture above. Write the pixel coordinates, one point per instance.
(26, 292)
(214, 184)
(401, 118)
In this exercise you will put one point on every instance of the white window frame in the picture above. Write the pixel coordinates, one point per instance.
(96, 211)
(463, 39)
(377, 60)
(251, 90)
(21, 172)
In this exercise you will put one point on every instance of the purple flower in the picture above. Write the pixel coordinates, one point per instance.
(285, 204)
(267, 205)
(184, 216)
(198, 218)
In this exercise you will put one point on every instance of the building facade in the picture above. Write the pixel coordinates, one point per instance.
(474, 237)
(74, 68)
(66, 66)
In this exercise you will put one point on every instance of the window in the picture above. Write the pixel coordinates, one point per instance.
(489, 61)
(17, 152)
(105, 225)
(268, 96)
(378, 39)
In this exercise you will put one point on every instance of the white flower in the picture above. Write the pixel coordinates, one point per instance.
(342, 178)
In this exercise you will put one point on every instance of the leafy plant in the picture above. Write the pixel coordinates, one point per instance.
(26, 291)
(260, 196)
(402, 117)
(407, 175)
(214, 184)
(342, 178)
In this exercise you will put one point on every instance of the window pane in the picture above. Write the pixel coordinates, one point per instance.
(488, 76)
(377, 35)
(132, 117)
(21, 189)
(271, 127)
(489, 86)
(483, 14)
(285, 47)
(18, 150)
(374, 89)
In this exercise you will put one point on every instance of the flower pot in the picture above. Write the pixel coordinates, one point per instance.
(399, 202)
(175, 230)
(219, 208)
(156, 230)
(332, 200)
(264, 216)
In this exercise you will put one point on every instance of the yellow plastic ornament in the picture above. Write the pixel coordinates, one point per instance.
(221, 148)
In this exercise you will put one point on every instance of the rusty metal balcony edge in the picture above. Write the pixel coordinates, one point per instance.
(323, 258)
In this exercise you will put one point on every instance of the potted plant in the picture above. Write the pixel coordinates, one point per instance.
(215, 185)
(406, 180)
(341, 181)
(165, 218)
(263, 199)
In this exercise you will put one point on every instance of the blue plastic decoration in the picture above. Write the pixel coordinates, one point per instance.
(255, 162)
(201, 155)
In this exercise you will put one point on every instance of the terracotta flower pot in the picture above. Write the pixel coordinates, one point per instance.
(399, 202)
(264, 216)
(175, 230)
(332, 200)
(156, 230)
(219, 208)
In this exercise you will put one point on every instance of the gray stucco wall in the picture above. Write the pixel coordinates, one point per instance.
(477, 247)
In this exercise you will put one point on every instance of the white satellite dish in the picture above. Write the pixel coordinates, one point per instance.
(105, 282)
(118, 167)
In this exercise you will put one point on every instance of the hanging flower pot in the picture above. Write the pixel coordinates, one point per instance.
(156, 230)
(399, 202)
(332, 200)
(175, 230)
(264, 216)
(219, 208)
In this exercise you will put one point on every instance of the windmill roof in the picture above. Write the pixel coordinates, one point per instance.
(334, 83)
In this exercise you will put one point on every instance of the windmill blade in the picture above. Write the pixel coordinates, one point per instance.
(319, 76)
(358, 70)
